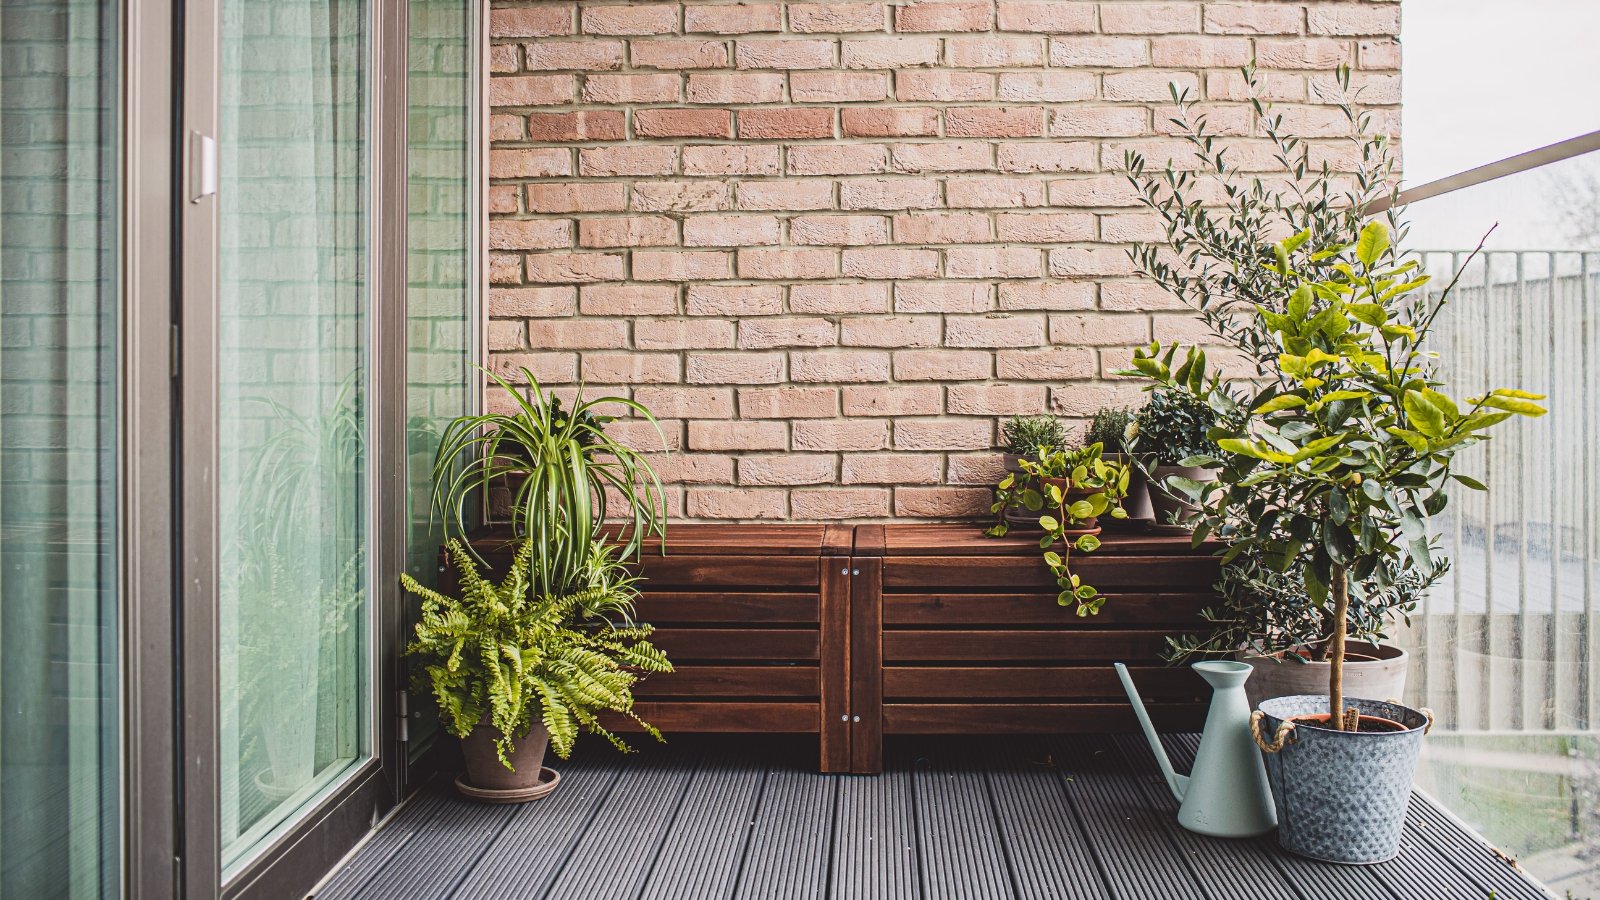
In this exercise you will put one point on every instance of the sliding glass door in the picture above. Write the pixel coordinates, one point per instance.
(59, 316)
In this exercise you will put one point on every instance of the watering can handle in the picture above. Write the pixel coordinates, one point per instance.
(1285, 733)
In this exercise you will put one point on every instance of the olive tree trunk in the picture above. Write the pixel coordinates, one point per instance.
(1341, 609)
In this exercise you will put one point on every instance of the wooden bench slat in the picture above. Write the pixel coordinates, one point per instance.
(953, 608)
(1021, 646)
(732, 607)
(732, 681)
(1034, 718)
(691, 644)
(1041, 683)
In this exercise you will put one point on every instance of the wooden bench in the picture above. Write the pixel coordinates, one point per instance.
(852, 633)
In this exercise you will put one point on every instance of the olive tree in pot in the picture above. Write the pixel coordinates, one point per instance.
(1168, 435)
(1333, 459)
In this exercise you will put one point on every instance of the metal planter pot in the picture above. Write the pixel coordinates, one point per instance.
(1341, 796)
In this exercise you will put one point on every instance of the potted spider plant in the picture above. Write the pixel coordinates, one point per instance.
(1332, 460)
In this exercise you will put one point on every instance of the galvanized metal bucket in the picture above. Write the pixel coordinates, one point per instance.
(1341, 796)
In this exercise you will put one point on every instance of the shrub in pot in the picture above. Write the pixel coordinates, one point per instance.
(1069, 490)
(1333, 459)
(1168, 435)
(1110, 428)
(513, 670)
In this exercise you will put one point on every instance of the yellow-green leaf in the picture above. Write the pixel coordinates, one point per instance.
(1374, 240)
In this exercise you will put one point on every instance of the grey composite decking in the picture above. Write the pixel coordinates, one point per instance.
(1013, 817)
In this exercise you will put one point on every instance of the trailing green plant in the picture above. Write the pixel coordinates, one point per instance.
(1332, 461)
(502, 656)
(1109, 429)
(1171, 428)
(1026, 435)
(558, 465)
(1067, 488)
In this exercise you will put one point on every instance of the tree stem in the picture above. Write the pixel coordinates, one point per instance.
(1341, 609)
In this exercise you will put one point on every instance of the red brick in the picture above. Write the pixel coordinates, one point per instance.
(1046, 16)
(789, 403)
(732, 159)
(543, 162)
(589, 125)
(1150, 18)
(857, 434)
(994, 331)
(1125, 229)
(996, 399)
(889, 193)
(1100, 121)
(1046, 295)
(1056, 156)
(840, 231)
(505, 198)
(549, 368)
(633, 368)
(529, 234)
(994, 193)
(837, 159)
(680, 196)
(537, 21)
(838, 87)
(791, 54)
(944, 15)
(993, 262)
(729, 231)
(688, 53)
(669, 123)
(838, 298)
(839, 503)
(506, 335)
(1111, 52)
(1093, 190)
(1147, 85)
(768, 124)
(1049, 364)
(737, 18)
(1047, 87)
(684, 334)
(941, 228)
(742, 87)
(890, 53)
(677, 402)
(636, 19)
(742, 504)
(891, 263)
(1383, 54)
(574, 268)
(582, 54)
(943, 85)
(942, 502)
(734, 368)
(1192, 51)
(734, 300)
(889, 331)
(890, 468)
(505, 128)
(902, 121)
(504, 58)
(695, 468)
(628, 300)
(533, 302)
(984, 121)
(630, 89)
(578, 334)
(765, 334)
(505, 268)
(1136, 295)
(945, 155)
(787, 264)
(942, 296)
(1044, 228)
(835, 18)
(786, 195)
(847, 366)
(941, 365)
(1089, 262)
(737, 436)
(803, 468)
(628, 231)
(1252, 18)
(994, 52)
(1303, 53)
(943, 434)
(679, 265)
(530, 90)
(632, 159)
(1096, 329)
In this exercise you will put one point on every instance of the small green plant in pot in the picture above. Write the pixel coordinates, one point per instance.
(1333, 459)
(1111, 428)
(1068, 490)
(1027, 437)
(514, 670)
(1168, 435)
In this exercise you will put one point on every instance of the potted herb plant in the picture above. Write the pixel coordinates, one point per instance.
(1026, 437)
(1068, 490)
(1111, 428)
(1168, 435)
(514, 670)
(1331, 462)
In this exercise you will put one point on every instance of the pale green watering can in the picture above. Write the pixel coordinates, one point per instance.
(1226, 793)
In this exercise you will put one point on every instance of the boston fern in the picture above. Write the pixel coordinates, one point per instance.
(501, 655)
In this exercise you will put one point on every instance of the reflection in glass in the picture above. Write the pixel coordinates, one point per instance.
(440, 142)
(1508, 646)
(58, 362)
(293, 604)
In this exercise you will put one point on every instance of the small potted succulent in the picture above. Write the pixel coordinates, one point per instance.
(1111, 428)
(1169, 433)
(1068, 491)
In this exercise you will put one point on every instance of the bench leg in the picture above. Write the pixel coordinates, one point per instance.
(866, 665)
(834, 664)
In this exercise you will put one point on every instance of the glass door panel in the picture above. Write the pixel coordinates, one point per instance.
(58, 478)
(294, 605)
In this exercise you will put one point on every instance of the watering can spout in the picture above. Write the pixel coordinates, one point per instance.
(1178, 784)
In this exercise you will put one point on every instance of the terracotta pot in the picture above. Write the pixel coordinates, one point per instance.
(484, 769)
(1374, 672)
(1071, 495)
(1170, 509)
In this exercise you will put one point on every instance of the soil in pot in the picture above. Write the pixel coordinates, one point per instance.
(486, 773)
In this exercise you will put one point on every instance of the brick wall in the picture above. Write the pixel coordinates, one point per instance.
(831, 245)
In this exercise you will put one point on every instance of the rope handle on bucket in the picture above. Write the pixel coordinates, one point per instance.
(1285, 733)
(1426, 714)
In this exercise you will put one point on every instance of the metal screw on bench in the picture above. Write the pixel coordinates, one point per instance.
(855, 571)
(844, 571)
